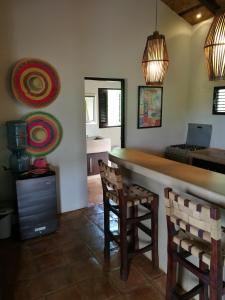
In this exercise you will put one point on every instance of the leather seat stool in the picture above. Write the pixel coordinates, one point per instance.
(194, 229)
(124, 202)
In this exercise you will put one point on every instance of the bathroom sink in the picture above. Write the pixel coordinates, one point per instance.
(95, 137)
(97, 144)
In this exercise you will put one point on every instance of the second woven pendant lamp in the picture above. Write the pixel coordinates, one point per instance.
(215, 49)
(155, 58)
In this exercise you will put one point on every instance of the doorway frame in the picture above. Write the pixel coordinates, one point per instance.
(122, 82)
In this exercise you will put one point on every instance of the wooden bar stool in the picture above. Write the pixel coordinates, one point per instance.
(119, 199)
(194, 229)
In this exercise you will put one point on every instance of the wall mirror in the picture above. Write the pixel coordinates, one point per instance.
(90, 108)
(104, 99)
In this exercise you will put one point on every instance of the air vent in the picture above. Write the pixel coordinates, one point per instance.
(219, 101)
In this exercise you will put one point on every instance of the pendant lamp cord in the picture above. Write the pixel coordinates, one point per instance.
(156, 15)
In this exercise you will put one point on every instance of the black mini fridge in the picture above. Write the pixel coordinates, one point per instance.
(36, 205)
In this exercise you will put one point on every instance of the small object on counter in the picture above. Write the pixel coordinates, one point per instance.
(34, 173)
(39, 171)
(40, 167)
(40, 163)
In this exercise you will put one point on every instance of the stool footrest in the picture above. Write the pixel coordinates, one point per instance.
(114, 237)
(185, 254)
(114, 209)
(203, 276)
(145, 229)
(140, 251)
(146, 205)
(190, 294)
(139, 219)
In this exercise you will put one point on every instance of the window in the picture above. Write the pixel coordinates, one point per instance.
(219, 101)
(90, 108)
(109, 107)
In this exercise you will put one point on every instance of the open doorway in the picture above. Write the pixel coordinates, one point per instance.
(104, 101)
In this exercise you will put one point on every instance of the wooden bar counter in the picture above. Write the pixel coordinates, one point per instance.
(203, 183)
(155, 173)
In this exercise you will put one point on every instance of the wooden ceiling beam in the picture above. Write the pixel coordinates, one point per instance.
(182, 13)
(211, 5)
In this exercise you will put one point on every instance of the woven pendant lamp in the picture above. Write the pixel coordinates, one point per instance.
(215, 49)
(155, 58)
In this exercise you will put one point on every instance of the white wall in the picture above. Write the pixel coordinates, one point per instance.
(200, 99)
(114, 133)
(48, 30)
(97, 39)
(117, 43)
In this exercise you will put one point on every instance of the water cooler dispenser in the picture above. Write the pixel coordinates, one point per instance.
(36, 194)
(19, 160)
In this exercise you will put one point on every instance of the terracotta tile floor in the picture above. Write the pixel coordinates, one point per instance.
(69, 265)
(94, 190)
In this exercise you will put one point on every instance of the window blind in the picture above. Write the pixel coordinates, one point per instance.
(103, 107)
(219, 101)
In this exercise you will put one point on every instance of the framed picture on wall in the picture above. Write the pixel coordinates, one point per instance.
(149, 106)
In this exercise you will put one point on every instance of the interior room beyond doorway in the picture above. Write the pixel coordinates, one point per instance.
(104, 102)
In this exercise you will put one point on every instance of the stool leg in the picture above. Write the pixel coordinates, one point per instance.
(154, 228)
(215, 286)
(216, 271)
(134, 214)
(171, 276)
(106, 229)
(172, 261)
(216, 263)
(124, 266)
(215, 293)
(204, 294)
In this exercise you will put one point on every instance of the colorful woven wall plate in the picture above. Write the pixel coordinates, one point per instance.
(35, 82)
(44, 133)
